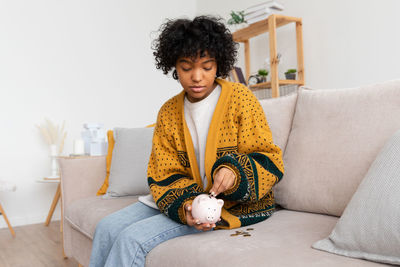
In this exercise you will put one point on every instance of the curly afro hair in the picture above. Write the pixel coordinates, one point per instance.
(187, 38)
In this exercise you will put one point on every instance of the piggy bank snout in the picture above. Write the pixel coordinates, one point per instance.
(211, 214)
(207, 209)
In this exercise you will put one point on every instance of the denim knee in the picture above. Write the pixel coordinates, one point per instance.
(126, 239)
(105, 226)
(127, 251)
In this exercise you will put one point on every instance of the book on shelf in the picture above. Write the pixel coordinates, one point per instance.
(257, 19)
(269, 4)
(236, 75)
(263, 11)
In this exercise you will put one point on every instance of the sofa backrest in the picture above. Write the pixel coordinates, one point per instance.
(279, 113)
(335, 136)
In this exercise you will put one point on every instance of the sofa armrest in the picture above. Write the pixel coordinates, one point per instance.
(81, 177)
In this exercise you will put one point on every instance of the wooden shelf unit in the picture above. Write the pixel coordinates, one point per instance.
(281, 82)
(269, 25)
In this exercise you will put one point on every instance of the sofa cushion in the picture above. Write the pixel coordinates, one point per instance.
(336, 135)
(84, 214)
(130, 156)
(369, 227)
(283, 240)
(279, 113)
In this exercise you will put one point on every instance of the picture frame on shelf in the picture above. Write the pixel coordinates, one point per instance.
(236, 75)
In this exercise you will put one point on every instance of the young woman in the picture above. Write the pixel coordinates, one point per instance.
(213, 138)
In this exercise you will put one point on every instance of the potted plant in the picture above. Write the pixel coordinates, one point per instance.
(237, 19)
(263, 73)
(290, 74)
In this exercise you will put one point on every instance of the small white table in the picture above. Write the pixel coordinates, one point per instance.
(56, 198)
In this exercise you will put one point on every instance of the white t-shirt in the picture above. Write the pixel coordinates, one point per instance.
(198, 117)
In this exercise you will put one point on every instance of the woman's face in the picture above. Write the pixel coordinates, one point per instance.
(197, 76)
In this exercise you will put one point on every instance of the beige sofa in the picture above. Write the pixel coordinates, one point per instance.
(329, 139)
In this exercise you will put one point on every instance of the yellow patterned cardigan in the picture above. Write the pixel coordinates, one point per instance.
(238, 138)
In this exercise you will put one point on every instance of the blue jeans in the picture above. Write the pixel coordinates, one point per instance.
(124, 238)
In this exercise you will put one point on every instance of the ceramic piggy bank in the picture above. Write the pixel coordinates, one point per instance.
(207, 209)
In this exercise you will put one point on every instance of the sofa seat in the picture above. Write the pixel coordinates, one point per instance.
(284, 239)
(84, 214)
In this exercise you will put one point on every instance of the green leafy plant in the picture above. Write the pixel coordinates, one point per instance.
(236, 17)
(291, 71)
(263, 72)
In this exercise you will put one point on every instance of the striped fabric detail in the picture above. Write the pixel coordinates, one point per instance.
(255, 177)
(172, 200)
(256, 212)
(173, 178)
(267, 164)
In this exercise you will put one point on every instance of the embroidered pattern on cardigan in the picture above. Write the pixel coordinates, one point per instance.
(226, 150)
(184, 159)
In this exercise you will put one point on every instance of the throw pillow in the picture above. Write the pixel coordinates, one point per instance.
(130, 156)
(279, 113)
(370, 225)
(335, 136)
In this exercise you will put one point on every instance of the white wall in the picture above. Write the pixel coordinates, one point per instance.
(346, 43)
(79, 61)
(90, 61)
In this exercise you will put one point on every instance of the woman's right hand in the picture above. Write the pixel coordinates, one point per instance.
(194, 222)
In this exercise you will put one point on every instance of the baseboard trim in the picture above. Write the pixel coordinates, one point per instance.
(26, 220)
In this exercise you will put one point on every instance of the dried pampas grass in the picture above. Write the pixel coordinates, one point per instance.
(53, 134)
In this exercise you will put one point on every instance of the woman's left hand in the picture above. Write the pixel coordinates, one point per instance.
(223, 180)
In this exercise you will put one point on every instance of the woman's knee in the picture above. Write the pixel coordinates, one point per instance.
(127, 240)
(106, 226)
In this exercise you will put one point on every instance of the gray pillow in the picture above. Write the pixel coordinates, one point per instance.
(332, 143)
(370, 225)
(131, 154)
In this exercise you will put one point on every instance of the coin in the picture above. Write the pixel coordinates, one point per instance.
(249, 229)
(247, 235)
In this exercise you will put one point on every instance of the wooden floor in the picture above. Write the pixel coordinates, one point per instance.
(34, 245)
